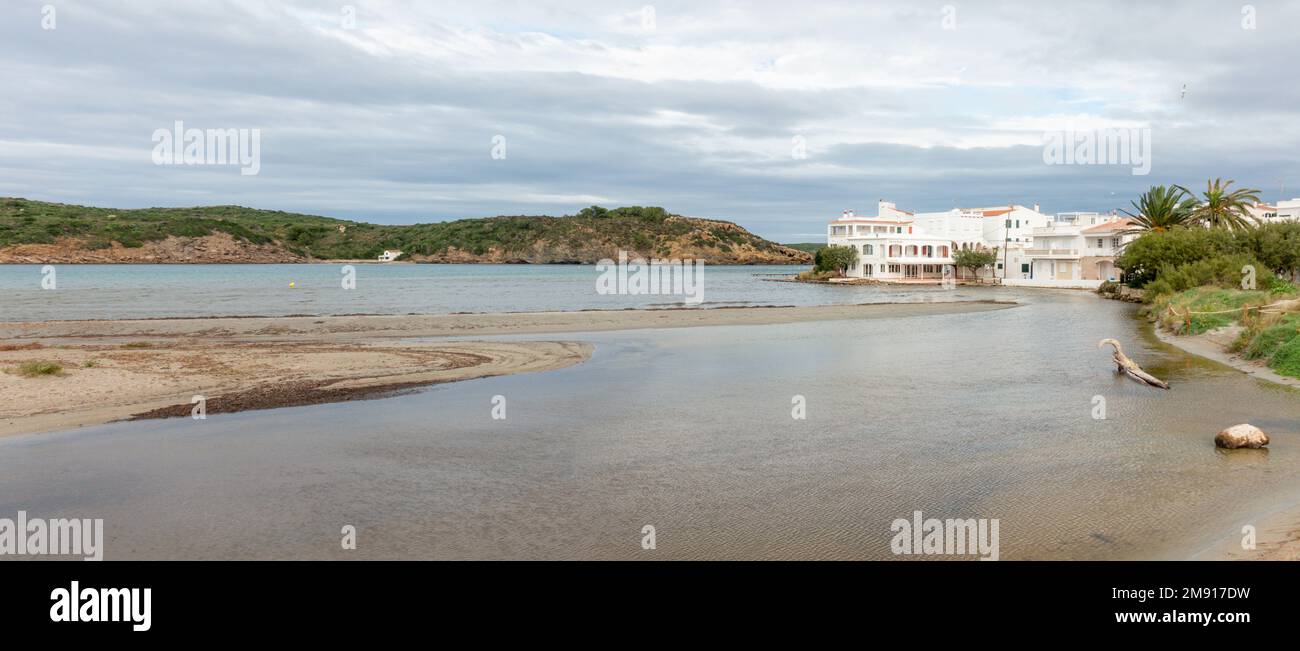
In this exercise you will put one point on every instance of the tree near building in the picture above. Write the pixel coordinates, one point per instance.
(838, 259)
(1224, 208)
(974, 259)
(1161, 209)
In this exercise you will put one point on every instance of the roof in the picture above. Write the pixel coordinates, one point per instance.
(995, 212)
(867, 220)
(1111, 225)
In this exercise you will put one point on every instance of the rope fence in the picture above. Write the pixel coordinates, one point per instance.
(1245, 310)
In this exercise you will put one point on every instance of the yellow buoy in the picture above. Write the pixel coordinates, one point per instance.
(291, 284)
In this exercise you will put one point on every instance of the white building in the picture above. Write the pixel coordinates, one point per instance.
(1006, 229)
(1077, 249)
(1288, 210)
(1285, 211)
(890, 245)
(933, 236)
(389, 256)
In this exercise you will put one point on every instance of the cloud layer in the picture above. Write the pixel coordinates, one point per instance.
(699, 107)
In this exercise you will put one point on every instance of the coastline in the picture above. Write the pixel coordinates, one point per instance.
(351, 326)
(106, 382)
(134, 369)
(1277, 532)
(1212, 345)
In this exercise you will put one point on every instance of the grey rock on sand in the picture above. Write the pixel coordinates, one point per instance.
(1241, 436)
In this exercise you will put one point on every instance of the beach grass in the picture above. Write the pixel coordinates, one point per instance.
(1271, 337)
(39, 369)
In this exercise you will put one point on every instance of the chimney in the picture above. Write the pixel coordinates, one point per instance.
(1036, 208)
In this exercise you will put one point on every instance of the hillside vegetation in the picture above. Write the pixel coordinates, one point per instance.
(36, 231)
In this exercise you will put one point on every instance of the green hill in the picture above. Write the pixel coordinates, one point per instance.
(37, 231)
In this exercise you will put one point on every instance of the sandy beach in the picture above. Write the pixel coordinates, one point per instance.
(1277, 534)
(114, 370)
(1213, 345)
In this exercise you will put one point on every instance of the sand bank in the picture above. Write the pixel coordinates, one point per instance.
(105, 382)
(369, 327)
(1213, 345)
(113, 370)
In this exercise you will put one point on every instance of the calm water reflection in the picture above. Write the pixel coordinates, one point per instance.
(980, 415)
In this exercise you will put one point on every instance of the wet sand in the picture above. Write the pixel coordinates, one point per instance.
(1213, 345)
(344, 328)
(114, 370)
(1277, 534)
(104, 382)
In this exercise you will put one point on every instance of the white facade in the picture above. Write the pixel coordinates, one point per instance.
(389, 256)
(933, 236)
(1288, 210)
(1285, 211)
(1078, 247)
(890, 246)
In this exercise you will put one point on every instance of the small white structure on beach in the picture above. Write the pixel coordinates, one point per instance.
(389, 256)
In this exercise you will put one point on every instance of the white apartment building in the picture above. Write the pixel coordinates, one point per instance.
(932, 236)
(890, 245)
(1077, 248)
(1008, 229)
(1285, 211)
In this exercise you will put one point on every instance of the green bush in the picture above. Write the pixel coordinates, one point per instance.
(837, 259)
(1275, 247)
(38, 369)
(1267, 342)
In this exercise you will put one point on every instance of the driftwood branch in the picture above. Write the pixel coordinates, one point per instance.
(1130, 367)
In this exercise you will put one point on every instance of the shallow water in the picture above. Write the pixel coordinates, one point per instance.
(151, 291)
(985, 415)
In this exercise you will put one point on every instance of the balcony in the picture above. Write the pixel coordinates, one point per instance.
(1052, 253)
(916, 259)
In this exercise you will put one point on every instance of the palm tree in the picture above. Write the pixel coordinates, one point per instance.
(1160, 209)
(1224, 209)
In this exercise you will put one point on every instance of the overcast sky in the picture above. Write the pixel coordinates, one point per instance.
(695, 106)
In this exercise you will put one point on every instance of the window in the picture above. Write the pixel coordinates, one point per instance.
(882, 268)
(1114, 242)
(911, 250)
(893, 268)
(866, 269)
(927, 251)
(999, 265)
(943, 251)
(1024, 267)
(1008, 223)
(866, 249)
(1101, 243)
